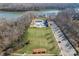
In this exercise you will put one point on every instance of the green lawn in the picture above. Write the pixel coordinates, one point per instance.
(40, 38)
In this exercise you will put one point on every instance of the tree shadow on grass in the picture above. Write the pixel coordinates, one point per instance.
(17, 44)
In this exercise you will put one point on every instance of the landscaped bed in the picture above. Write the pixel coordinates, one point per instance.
(39, 38)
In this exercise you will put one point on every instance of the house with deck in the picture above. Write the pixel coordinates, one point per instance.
(39, 23)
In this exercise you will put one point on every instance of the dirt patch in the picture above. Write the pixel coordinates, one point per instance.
(39, 51)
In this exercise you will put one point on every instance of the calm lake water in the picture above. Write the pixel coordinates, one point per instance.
(10, 15)
(48, 12)
(14, 15)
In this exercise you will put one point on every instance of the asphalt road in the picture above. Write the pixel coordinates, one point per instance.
(63, 43)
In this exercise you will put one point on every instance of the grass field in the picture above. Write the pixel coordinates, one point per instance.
(40, 38)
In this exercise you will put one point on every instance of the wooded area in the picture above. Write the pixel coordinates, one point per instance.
(69, 26)
(11, 33)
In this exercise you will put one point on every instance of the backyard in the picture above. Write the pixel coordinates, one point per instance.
(39, 38)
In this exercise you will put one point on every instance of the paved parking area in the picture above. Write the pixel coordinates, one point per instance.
(65, 46)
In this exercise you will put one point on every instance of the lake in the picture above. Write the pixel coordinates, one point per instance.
(10, 15)
(48, 12)
(13, 15)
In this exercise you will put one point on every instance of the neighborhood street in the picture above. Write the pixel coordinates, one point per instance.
(63, 43)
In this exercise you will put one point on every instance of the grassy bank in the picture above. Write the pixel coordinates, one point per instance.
(40, 38)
